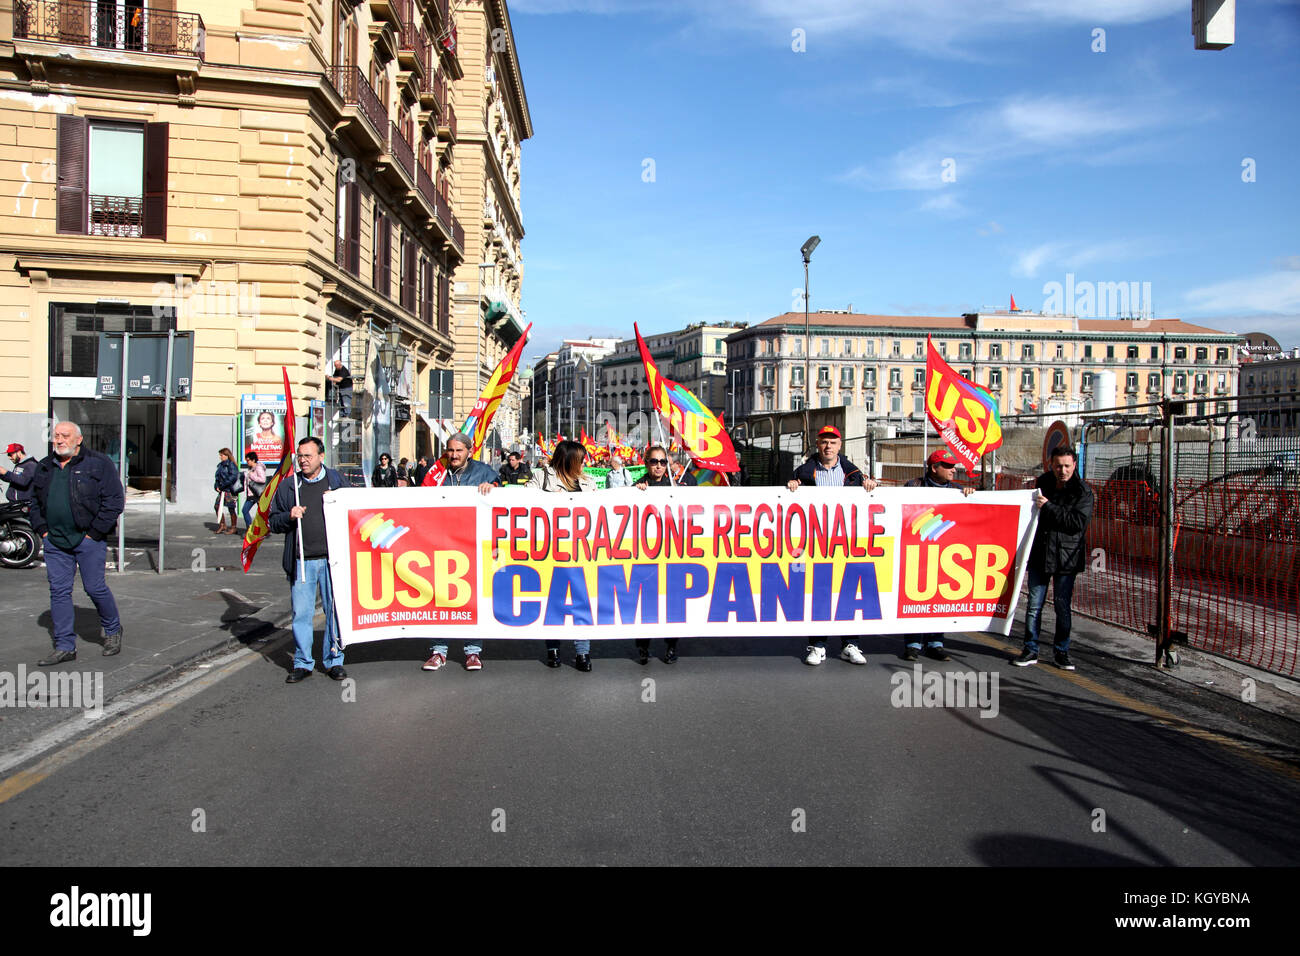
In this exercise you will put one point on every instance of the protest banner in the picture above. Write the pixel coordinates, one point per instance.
(687, 562)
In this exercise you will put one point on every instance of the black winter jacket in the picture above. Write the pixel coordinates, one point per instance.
(383, 477)
(94, 488)
(280, 521)
(20, 479)
(805, 473)
(1059, 546)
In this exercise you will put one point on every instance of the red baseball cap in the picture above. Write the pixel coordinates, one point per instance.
(942, 455)
(15, 447)
(829, 430)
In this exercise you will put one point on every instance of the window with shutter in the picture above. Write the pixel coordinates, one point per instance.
(70, 216)
(444, 304)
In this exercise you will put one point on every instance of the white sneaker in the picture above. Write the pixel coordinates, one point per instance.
(815, 655)
(852, 654)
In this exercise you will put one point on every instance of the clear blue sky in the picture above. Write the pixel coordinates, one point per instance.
(1117, 166)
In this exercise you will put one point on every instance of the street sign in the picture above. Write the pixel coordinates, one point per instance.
(146, 366)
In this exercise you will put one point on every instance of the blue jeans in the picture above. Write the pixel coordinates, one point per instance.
(61, 569)
(250, 505)
(303, 598)
(442, 649)
(579, 647)
(931, 640)
(1062, 591)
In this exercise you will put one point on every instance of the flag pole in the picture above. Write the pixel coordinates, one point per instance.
(659, 427)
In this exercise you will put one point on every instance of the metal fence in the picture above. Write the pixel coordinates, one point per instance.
(1228, 521)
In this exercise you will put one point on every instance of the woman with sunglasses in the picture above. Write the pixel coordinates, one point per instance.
(385, 475)
(564, 474)
(657, 476)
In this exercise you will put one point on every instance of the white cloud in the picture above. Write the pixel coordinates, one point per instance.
(1078, 255)
(945, 204)
(992, 229)
(1274, 293)
(947, 28)
(1010, 131)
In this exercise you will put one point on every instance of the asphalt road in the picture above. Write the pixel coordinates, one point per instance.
(744, 756)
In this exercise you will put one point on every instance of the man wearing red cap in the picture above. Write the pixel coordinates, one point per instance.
(829, 469)
(940, 468)
(20, 476)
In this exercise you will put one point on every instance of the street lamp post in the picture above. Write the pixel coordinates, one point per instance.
(806, 250)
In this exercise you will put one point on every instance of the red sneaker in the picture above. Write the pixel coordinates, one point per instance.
(434, 662)
(472, 663)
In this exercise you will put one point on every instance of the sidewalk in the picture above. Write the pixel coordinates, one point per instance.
(202, 603)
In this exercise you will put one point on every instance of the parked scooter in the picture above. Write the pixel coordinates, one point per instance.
(19, 544)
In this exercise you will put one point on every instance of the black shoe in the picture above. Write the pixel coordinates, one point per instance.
(113, 643)
(670, 656)
(57, 657)
(1025, 659)
(582, 662)
(911, 654)
(299, 673)
(552, 657)
(937, 653)
(337, 672)
(643, 655)
(1062, 660)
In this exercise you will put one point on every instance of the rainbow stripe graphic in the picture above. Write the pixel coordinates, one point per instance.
(930, 525)
(381, 532)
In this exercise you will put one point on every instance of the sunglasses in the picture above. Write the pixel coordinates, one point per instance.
(656, 461)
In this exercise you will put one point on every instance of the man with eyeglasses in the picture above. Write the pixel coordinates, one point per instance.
(829, 469)
(301, 502)
(657, 476)
(940, 469)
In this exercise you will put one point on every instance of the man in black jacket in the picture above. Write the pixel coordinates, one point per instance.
(1057, 555)
(829, 469)
(300, 501)
(20, 475)
(77, 498)
(940, 468)
(515, 471)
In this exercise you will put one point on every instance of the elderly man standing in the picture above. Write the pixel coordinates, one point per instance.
(77, 498)
(829, 469)
(462, 472)
(308, 489)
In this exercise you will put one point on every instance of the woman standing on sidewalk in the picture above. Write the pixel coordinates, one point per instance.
(254, 485)
(226, 485)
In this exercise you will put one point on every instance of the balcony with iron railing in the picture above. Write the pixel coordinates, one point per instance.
(400, 150)
(447, 123)
(390, 11)
(428, 193)
(121, 216)
(361, 103)
(457, 235)
(412, 48)
(104, 24)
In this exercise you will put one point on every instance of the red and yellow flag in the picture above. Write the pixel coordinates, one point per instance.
(701, 432)
(965, 415)
(480, 416)
(260, 527)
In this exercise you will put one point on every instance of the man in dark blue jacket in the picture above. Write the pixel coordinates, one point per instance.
(940, 468)
(77, 498)
(829, 469)
(301, 501)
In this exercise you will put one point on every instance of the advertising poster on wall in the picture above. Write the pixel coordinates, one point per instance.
(263, 426)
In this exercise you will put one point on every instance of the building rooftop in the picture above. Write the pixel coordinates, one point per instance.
(968, 321)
